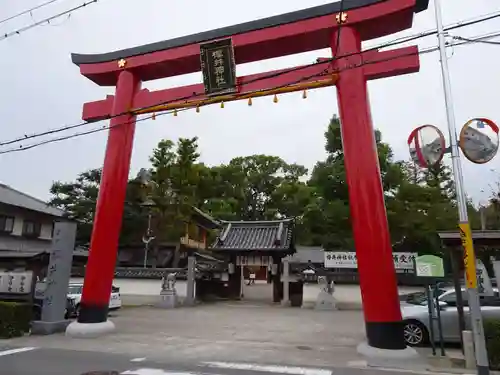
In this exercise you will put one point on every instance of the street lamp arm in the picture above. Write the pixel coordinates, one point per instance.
(146, 240)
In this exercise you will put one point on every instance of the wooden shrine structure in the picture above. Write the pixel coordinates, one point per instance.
(257, 244)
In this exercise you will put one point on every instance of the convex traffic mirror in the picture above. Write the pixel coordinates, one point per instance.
(479, 140)
(427, 145)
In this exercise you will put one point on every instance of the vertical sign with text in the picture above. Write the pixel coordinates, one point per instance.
(59, 271)
(218, 67)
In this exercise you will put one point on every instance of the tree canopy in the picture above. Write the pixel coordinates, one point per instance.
(419, 202)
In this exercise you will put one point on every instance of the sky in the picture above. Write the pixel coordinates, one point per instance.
(41, 89)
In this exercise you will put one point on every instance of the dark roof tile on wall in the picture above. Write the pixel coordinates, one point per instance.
(256, 235)
(13, 197)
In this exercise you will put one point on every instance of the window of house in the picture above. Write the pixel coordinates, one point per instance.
(6, 224)
(31, 228)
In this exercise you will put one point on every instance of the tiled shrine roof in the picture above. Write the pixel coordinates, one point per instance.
(273, 235)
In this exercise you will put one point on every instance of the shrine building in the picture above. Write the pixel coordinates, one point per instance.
(256, 247)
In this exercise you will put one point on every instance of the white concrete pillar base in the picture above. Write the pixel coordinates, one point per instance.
(89, 330)
(402, 359)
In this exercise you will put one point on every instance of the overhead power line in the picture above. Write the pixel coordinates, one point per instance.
(324, 73)
(481, 40)
(326, 61)
(45, 20)
(457, 25)
(193, 96)
(28, 11)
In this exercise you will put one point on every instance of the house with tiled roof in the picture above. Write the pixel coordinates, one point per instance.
(26, 223)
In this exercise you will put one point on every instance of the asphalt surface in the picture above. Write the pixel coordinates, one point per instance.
(41, 361)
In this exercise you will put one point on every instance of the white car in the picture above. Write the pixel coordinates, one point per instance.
(416, 316)
(75, 293)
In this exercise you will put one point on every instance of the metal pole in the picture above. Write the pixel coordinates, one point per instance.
(242, 278)
(457, 258)
(146, 243)
(465, 232)
(438, 319)
(432, 337)
(146, 248)
(191, 279)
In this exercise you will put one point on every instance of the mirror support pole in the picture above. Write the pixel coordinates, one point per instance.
(482, 362)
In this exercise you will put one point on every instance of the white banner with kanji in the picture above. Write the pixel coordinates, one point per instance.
(348, 259)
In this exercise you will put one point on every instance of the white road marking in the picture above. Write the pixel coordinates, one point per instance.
(154, 371)
(138, 360)
(290, 370)
(15, 351)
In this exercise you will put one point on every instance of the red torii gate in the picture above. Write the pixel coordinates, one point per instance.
(306, 30)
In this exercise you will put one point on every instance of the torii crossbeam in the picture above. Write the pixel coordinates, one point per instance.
(341, 27)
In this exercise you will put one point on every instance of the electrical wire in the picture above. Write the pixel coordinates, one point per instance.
(196, 95)
(45, 20)
(285, 71)
(27, 11)
(67, 18)
(475, 41)
(107, 127)
(457, 25)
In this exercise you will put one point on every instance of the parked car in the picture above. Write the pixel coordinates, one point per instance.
(75, 294)
(38, 298)
(416, 317)
(38, 304)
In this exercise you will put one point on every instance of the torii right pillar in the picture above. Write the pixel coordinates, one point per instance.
(382, 312)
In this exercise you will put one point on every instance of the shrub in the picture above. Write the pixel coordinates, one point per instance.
(492, 334)
(15, 319)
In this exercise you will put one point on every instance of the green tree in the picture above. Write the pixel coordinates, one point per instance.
(79, 198)
(174, 186)
(422, 206)
(329, 218)
(412, 172)
(258, 187)
(439, 176)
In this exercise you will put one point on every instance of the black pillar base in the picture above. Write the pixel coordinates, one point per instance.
(386, 335)
(90, 313)
(483, 370)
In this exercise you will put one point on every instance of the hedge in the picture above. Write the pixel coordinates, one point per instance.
(15, 319)
(492, 333)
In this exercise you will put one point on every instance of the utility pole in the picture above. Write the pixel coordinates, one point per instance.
(465, 231)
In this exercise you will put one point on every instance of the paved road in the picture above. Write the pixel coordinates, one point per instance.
(38, 361)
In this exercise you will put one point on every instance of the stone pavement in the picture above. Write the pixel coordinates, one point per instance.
(237, 332)
(225, 332)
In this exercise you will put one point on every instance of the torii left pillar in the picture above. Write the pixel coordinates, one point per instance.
(93, 310)
(385, 344)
